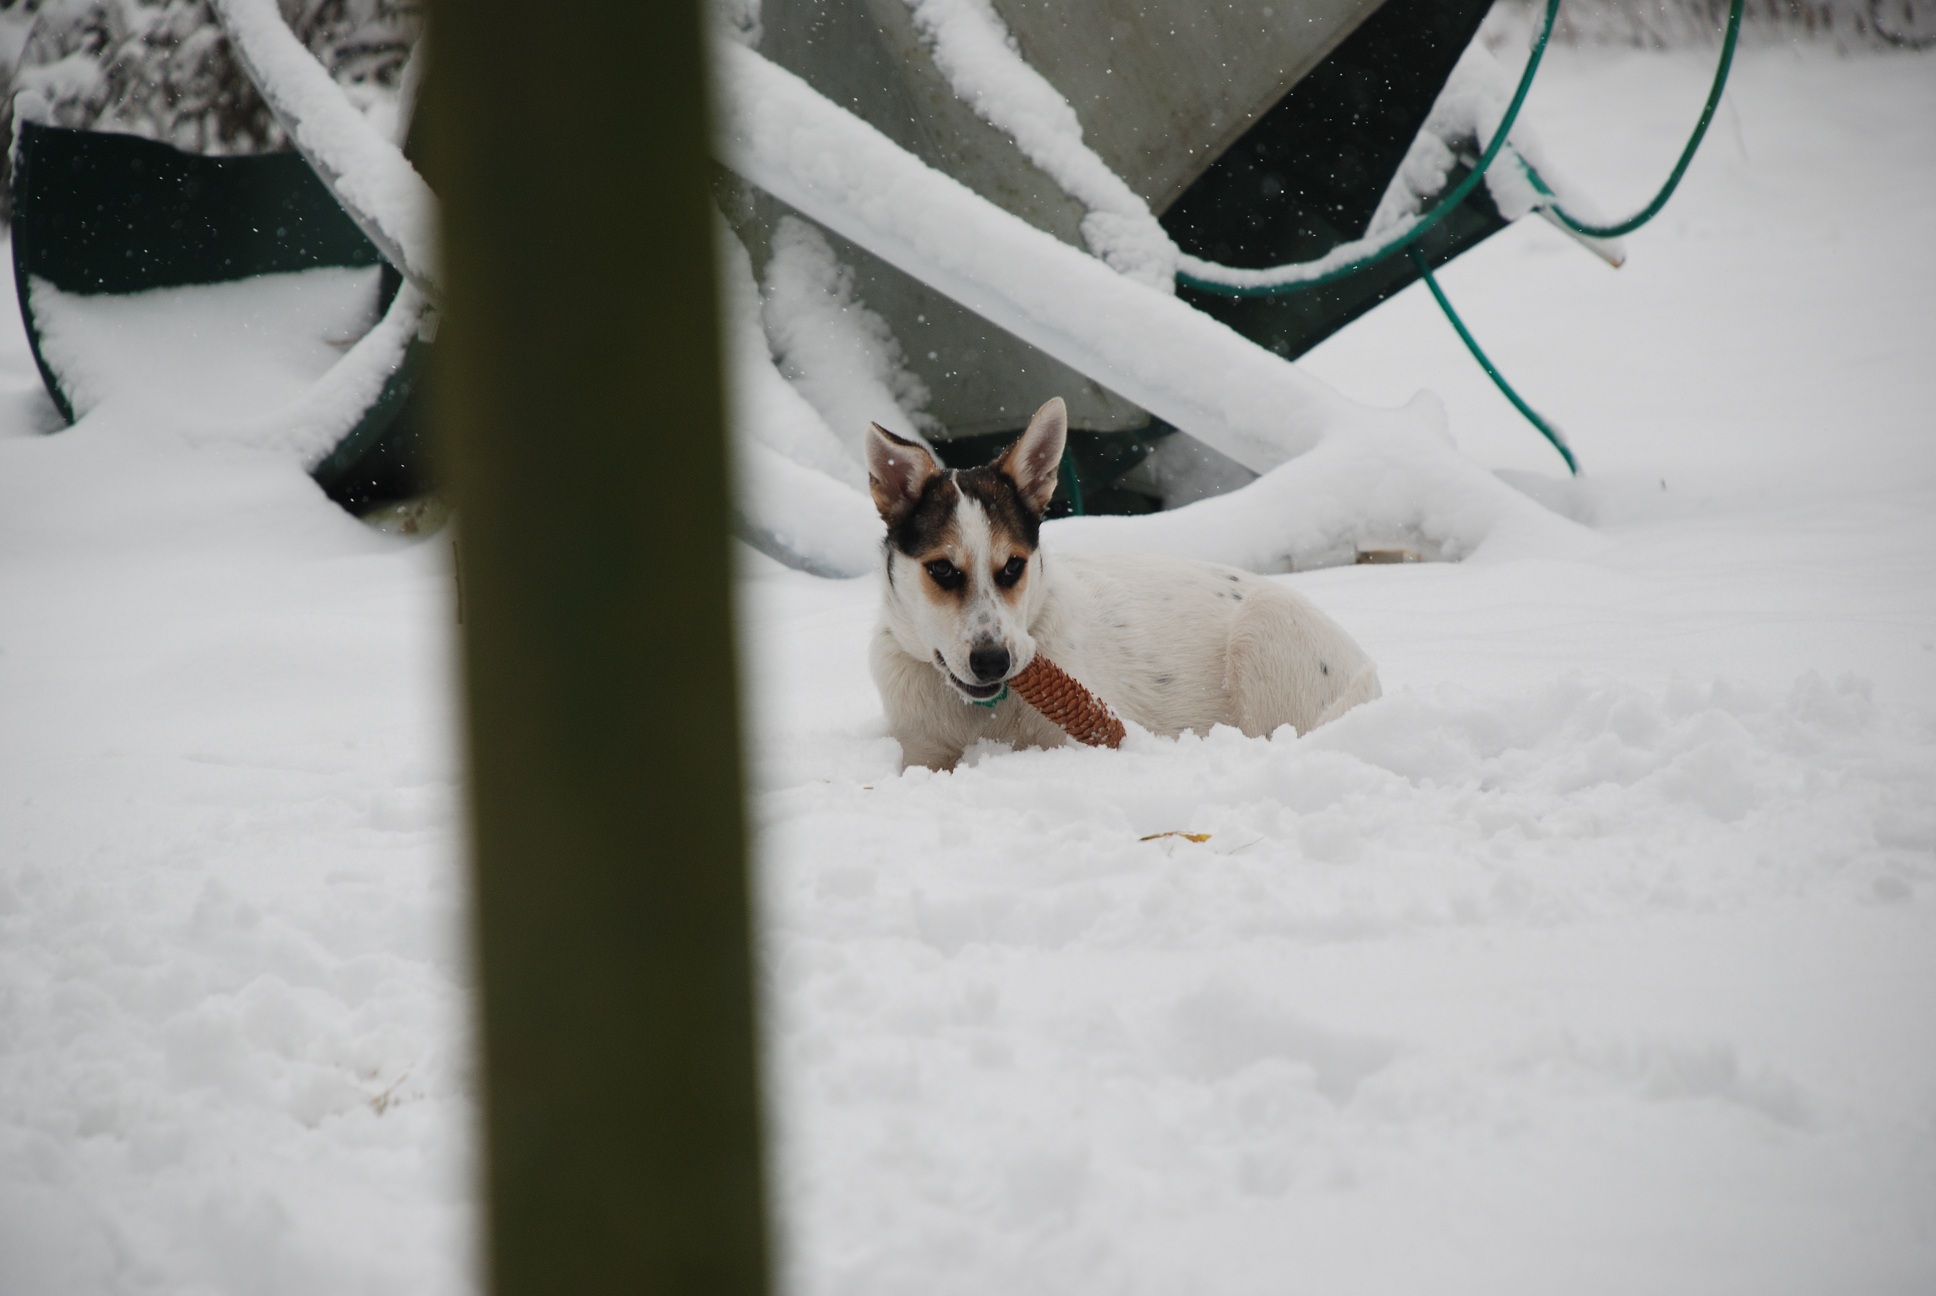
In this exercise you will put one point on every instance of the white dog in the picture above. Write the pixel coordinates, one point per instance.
(968, 600)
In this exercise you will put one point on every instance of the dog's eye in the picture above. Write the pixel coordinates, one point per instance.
(946, 574)
(1011, 572)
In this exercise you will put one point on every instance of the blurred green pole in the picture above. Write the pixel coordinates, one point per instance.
(577, 397)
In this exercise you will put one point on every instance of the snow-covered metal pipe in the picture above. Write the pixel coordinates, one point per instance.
(368, 173)
(1174, 361)
(978, 55)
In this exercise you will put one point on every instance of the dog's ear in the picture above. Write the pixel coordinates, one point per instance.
(1031, 463)
(897, 470)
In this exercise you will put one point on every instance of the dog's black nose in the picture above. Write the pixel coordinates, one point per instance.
(989, 662)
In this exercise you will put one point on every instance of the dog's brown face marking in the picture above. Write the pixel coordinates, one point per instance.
(936, 534)
(930, 524)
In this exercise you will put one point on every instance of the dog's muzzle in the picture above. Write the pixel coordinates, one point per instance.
(984, 663)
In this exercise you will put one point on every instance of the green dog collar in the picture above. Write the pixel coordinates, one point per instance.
(990, 703)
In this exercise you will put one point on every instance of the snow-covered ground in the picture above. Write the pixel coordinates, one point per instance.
(1598, 956)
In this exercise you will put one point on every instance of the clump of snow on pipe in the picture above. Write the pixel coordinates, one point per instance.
(791, 426)
(835, 351)
(975, 51)
(1176, 362)
(369, 175)
(799, 494)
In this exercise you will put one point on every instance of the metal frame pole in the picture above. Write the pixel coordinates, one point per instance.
(577, 396)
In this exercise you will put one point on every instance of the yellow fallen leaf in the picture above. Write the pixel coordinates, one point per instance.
(1195, 837)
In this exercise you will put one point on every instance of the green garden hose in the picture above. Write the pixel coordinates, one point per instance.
(1208, 277)
(1652, 209)
(1546, 429)
(1225, 281)
(1202, 275)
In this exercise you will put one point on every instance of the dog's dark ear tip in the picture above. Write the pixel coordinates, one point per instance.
(892, 438)
(897, 471)
(1033, 462)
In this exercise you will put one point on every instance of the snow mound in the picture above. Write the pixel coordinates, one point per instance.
(287, 363)
(233, 993)
(1412, 489)
(1003, 996)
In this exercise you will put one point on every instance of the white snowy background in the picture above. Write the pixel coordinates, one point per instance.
(1598, 956)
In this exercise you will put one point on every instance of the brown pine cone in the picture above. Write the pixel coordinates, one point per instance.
(1078, 712)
